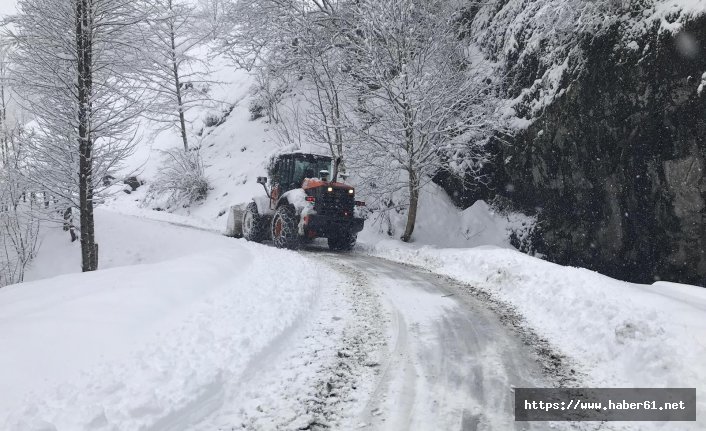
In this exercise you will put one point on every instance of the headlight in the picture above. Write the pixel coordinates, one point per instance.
(330, 189)
(351, 191)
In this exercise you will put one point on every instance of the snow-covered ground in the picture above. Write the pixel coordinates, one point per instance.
(174, 327)
(184, 329)
(617, 334)
(450, 362)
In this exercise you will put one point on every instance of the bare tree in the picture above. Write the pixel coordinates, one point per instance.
(297, 42)
(421, 102)
(323, 61)
(19, 225)
(212, 14)
(76, 65)
(179, 86)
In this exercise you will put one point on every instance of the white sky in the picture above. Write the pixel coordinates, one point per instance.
(7, 7)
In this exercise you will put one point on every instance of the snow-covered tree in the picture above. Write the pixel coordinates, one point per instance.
(76, 65)
(19, 208)
(211, 14)
(422, 103)
(19, 224)
(323, 59)
(300, 43)
(179, 86)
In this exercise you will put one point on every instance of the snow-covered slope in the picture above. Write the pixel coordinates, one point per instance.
(535, 45)
(236, 152)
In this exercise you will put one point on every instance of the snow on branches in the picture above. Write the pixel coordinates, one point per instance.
(388, 86)
(421, 101)
(174, 82)
(181, 180)
(77, 67)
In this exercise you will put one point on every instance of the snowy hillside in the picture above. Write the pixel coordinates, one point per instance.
(520, 36)
(237, 152)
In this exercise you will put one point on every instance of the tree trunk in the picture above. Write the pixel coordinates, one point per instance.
(177, 83)
(413, 177)
(84, 47)
(4, 147)
(413, 204)
(339, 132)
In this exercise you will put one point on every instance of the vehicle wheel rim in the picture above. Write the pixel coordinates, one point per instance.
(278, 228)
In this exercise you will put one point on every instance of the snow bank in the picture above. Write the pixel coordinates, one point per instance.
(441, 223)
(122, 241)
(621, 334)
(135, 347)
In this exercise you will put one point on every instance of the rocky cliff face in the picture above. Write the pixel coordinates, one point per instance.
(610, 146)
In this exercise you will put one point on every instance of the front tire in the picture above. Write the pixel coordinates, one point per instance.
(285, 228)
(254, 228)
(342, 242)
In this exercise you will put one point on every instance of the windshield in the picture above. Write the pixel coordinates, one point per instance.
(310, 169)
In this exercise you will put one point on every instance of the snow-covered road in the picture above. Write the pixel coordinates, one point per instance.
(449, 362)
(385, 347)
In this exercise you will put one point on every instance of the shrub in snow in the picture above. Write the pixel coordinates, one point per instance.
(181, 180)
(19, 233)
(19, 222)
(211, 120)
(257, 110)
(215, 120)
(133, 182)
(20, 204)
(267, 94)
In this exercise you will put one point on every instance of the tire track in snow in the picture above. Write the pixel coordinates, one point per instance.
(395, 357)
(452, 363)
(314, 374)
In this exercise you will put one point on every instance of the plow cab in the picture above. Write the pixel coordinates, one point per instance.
(302, 200)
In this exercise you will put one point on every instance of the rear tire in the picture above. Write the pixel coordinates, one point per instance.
(342, 242)
(285, 228)
(254, 228)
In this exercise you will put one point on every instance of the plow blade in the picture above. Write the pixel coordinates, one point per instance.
(234, 227)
